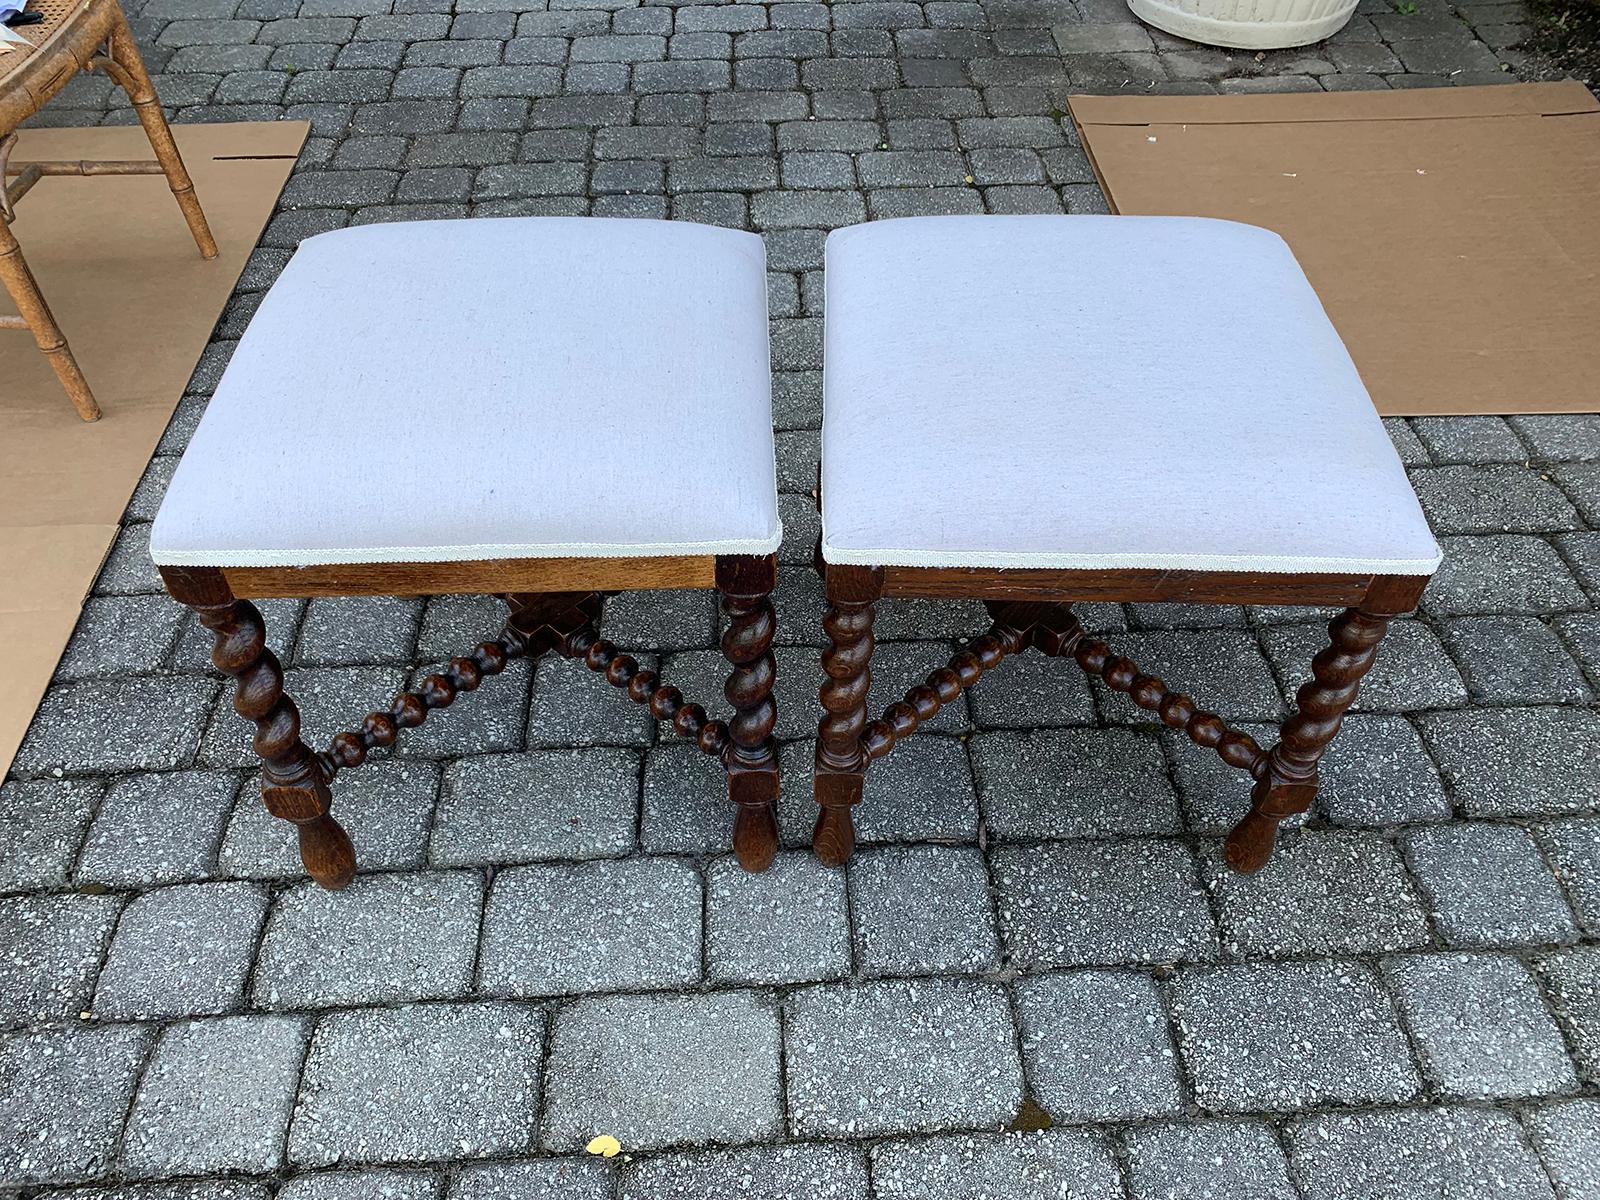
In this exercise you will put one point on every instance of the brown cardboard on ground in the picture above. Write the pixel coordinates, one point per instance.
(137, 303)
(1452, 233)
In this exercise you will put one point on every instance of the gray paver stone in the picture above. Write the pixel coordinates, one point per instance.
(42, 822)
(384, 807)
(1378, 773)
(384, 938)
(182, 951)
(216, 1097)
(1487, 885)
(539, 1179)
(788, 924)
(1281, 1036)
(1098, 1047)
(947, 928)
(899, 1056)
(558, 929)
(1237, 1159)
(67, 1092)
(1066, 1164)
(1415, 1154)
(541, 804)
(362, 1185)
(1073, 783)
(1572, 980)
(572, 706)
(1323, 892)
(1517, 761)
(419, 1083)
(101, 725)
(658, 1071)
(1500, 574)
(1516, 660)
(1222, 669)
(1573, 851)
(160, 828)
(1101, 903)
(50, 951)
(1567, 1136)
(760, 1173)
(1480, 1025)
(1412, 670)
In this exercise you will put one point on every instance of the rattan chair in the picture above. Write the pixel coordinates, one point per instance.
(76, 35)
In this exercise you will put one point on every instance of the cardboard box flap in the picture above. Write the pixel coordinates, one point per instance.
(1527, 100)
(52, 566)
(30, 645)
(138, 303)
(1451, 233)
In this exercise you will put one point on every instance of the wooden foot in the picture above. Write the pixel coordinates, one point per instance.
(294, 783)
(325, 848)
(833, 840)
(1287, 783)
(125, 65)
(751, 755)
(841, 765)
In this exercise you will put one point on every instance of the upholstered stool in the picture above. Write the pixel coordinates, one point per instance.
(1037, 410)
(542, 408)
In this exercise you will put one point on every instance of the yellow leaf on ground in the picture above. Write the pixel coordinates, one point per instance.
(605, 1145)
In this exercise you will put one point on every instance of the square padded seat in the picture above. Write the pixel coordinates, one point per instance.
(541, 409)
(1088, 392)
(513, 388)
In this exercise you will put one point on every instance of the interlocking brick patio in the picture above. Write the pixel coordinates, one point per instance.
(550, 939)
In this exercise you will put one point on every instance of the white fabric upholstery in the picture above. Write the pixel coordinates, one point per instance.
(509, 388)
(1098, 392)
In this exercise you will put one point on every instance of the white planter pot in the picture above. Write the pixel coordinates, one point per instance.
(1247, 24)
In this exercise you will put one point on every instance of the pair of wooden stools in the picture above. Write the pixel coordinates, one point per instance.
(1028, 410)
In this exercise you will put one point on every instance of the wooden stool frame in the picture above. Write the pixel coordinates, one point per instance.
(87, 35)
(1033, 608)
(554, 605)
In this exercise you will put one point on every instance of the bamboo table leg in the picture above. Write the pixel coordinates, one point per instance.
(37, 318)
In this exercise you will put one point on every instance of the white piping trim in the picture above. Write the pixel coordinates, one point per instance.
(408, 554)
(1266, 563)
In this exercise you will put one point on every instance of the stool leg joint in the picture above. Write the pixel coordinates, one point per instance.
(1287, 782)
(750, 758)
(842, 754)
(294, 783)
(743, 745)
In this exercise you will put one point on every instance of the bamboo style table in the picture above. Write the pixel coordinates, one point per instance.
(76, 35)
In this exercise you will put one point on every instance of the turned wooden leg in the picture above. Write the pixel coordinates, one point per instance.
(1287, 784)
(294, 784)
(841, 770)
(37, 319)
(126, 66)
(751, 756)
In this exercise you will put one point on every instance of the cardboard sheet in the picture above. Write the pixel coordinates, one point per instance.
(1452, 233)
(137, 303)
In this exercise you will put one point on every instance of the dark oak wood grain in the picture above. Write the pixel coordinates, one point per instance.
(1033, 608)
(1144, 586)
(841, 761)
(294, 785)
(493, 576)
(1288, 783)
(559, 614)
(751, 756)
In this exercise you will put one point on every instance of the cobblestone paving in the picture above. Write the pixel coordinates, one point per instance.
(550, 939)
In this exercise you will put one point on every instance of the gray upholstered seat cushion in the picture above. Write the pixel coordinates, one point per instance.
(1098, 392)
(496, 388)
